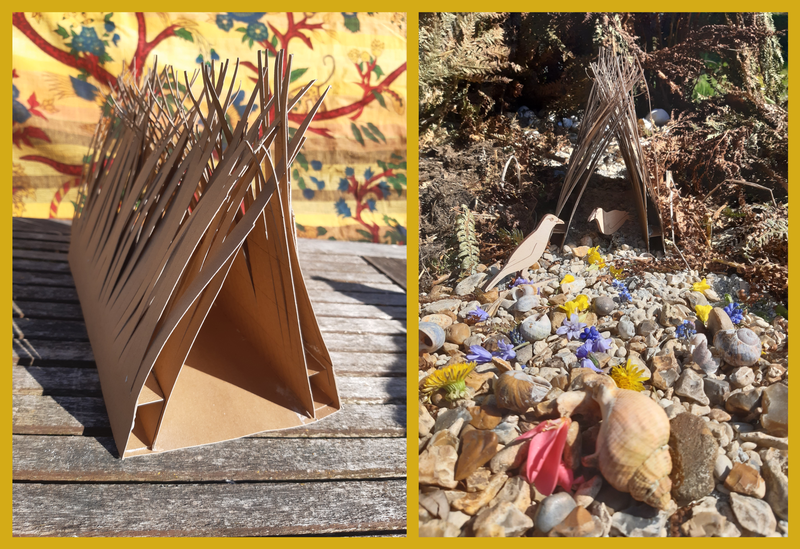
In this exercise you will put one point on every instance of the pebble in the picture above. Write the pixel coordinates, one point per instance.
(745, 480)
(709, 524)
(690, 385)
(693, 449)
(639, 521)
(477, 448)
(440, 306)
(457, 333)
(516, 491)
(468, 285)
(646, 327)
(439, 528)
(742, 377)
(775, 418)
(509, 457)
(765, 440)
(722, 466)
(502, 520)
(588, 490)
(442, 320)
(437, 466)
(553, 510)
(625, 329)
(603, 305)
(776, 471)
(447, 418)
(578, 524)
(426, 421)
(486, 416)
(754, 515)
(506, 433)
(472, 503)
(743, 401)
(717, 390)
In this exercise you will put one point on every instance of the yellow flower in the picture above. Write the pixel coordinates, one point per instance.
(700, 286)
(580, 303)
(353, 55)
(616, 272)
(628, 377)
(567, 279)
(702, 312)
(377, 48)
(450, 378)
(595, 258)
(365, 56)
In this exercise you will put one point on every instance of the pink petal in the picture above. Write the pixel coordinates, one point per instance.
(565, 479)
(548, 476)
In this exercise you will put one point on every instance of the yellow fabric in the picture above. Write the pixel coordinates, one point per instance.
(349, 183)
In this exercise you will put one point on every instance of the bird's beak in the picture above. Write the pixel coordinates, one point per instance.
(559, 222)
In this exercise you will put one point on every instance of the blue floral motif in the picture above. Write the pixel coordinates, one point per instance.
(84, 90)
(87, 41)
(349, 172)
(224, 21)
(344, 185)
(20, 111)
(342, 208)
(246, 17)
(318, 182)
(384, 187)
(316, 165)
(371, 204)
(257, 31)
(368, 174)
(308, 193)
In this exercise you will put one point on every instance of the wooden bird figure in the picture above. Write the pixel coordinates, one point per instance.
(608, 222)
(530, 250)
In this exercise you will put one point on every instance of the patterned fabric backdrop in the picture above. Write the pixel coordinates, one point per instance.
(350, 180)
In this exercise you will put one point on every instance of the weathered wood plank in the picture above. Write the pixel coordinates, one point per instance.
(40, 244)
(79, 355)
(35, 254)
(49, 237)
(339, 247)
(38, 225)
(257, 509)
(35, 265)
(392, 267)
(64, 415)
(34, 380)
(89, 459)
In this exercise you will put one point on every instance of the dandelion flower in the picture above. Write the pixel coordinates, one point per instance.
(700, 286)
(702, 312)
(628, 377)
(451, 379)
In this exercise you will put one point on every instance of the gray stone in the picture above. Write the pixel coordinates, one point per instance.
(775, 471)
(509, 457)
(506, 433)
(754, 515)
(690, 385)
(604, 305)
(440, 306)
(709, 524)
(646, 327)
(553, 510)
(466, 286)
(639, 521)
(717, 390)
(722, 466)
(742, 377)
(438, 528)
(775, 402)
(526, 303)
(694, 299)
(764, 440)
(743, 401)
(625, 329)
(447, 418)
(426, 421)
(501, 520)
(588, 490)
(693, 450)
(437, 465)
(524, 354)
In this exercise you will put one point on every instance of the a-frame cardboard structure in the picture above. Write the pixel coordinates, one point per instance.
(185, 261)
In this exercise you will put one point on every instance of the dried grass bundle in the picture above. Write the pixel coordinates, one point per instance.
(184, 257)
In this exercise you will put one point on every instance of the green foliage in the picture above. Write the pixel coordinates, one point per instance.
(512, 238)
(468, 251)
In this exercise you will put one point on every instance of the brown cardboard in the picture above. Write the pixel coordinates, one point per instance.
(608, 222)
(185, 261)
(529, 250)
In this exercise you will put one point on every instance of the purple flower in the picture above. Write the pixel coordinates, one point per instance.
(590, 333)
(519, 281)
(584, 350)
(479, 354)
(506, 351)
(478, 314)
(571, 327)
(601, 345)
(587, 363)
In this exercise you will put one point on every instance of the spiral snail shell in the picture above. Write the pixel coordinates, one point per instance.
(632, 450)
(518, 391)
(431, 337)
(740, 347)
(702, 356)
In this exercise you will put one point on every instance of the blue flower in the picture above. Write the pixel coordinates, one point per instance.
(246, 16)
(368, 174)
(214, 55)
(384, 187)
(371, 204)
(115, 38)
(479, 314)
(515, 337)
(584, 350)
(479, 354)
(734, 311)
(342, 208)
(349, 172)
(87, 41)
(109, 26)
(590, 333)
(624, 294)
(571, 327)
(685, 330)
(506, 350)
(224, 21)
(84, 90)
(344, 185)
(257, 31)
(519, 281)
(601, 344)
(587, 363)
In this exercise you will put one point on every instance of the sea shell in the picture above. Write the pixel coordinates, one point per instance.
(431, 337)
(526, 303)
(518, 391)
(702, 356)
(442, 320)
(740, 347)
(535, 327)
(632, 450)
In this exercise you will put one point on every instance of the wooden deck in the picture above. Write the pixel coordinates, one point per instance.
(343, 475)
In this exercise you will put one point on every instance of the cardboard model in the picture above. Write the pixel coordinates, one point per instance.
(185, 261)
(608, 222)
(529, 250)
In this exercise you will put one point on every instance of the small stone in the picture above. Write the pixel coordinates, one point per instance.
(438, 528)
(717, 390)
(525, 354)
(426, 421)
(694, 299)
(775, 403)
(604, 305)
(580, 252)
(646, 327)
(719, 415)
(578, 524)
(765, 440)
(690, 385)
(745, 480)
(487, 416)
(669, 315)
(742, 377)
(506, 433)
(693, 450)
(447, 418)
(754, 515)
(553, 510)
(722, 466)
(718, 320)
(776, 471)
(489, 297)
(698, 410)
(472, 503)
(478, 480)
(709, 524)
(435, 503)
(457, 333)
(502, 364)
(466, 286)
(440, 306)
(437, 465)
(639, 521)
(625, 329)
(743, 401)
(665, 370)
(711, 295)
(515, 491)
(575, 286)
(588, 490)
(508, 458)
(502, 520)
(477, 448)
(442, 320)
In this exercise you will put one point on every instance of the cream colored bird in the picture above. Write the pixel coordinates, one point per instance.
(530, 250)
(608, 222)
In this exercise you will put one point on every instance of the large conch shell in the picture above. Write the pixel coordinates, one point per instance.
(632, 451)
